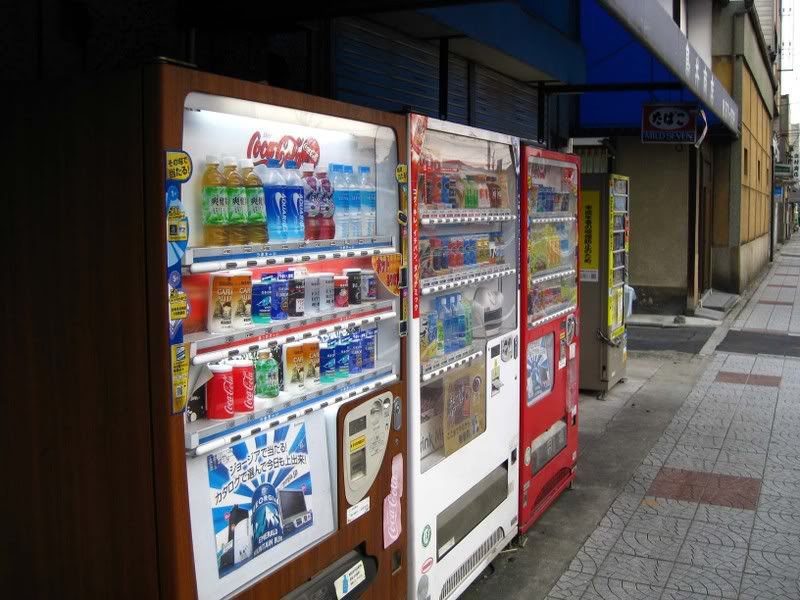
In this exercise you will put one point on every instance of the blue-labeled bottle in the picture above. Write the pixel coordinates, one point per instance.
(355, 351)
(327, 358)
(341, 197)
(295, 212)
(275, 199)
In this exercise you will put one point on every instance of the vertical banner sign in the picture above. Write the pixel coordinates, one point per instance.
(261, 494)
(401, 175)
(589, 235)
(418, 126)
(178, 170)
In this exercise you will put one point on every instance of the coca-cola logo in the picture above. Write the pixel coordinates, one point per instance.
(301, 150)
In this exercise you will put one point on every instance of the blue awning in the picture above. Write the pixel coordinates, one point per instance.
(636, 41)
(633, 44)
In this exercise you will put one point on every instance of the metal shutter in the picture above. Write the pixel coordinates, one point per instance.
(382, 69)
(504, 104)
(458, 90)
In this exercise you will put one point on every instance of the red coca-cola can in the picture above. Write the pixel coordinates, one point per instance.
(243, 385)
(219, 392)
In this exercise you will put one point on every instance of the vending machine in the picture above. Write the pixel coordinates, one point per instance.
(550, 343)
(464, 354)
(603, 243)
(280, 312)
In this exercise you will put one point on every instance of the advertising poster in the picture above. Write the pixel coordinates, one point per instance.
(465, 405)
(261, 494)
(540, 368)
(588, 236)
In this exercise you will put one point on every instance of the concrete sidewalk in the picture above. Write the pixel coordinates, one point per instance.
(688, 482)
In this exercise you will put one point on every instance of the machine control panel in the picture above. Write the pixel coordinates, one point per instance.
(365, 436)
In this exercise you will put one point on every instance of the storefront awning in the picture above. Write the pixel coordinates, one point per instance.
(626, 53)
(635, 45)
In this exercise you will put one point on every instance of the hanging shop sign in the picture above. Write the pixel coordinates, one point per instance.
(669, 124)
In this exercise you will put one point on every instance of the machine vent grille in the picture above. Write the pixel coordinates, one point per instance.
(550, 487)
(469, 565)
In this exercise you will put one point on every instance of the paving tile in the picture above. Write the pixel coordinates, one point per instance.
(777, 522)
(691, 440)
(713, 556)
(603, 588)
(772, 564)
(778, 504)
(647, 545)
(738, 469)
(756, 459)
(732, 377)
(683, 461)
(603, 537)
(679, 595)
(770, 541)
(759, 587)
(724, 534)
(588, 560)
(570, 586)
(717, 582)
(709, 513)
(688, 492)
(667, 507)
(757, 446)
(659, 525)
(776, 487)
(735, 492)
(782, 473)
(635, 569)
(741, 363)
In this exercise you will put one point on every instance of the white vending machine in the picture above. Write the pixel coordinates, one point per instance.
(464, 353)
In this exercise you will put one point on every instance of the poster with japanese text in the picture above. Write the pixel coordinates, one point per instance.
(261, 494)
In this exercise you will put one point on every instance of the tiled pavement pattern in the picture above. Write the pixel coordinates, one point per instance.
(713, 511)
(775, 306)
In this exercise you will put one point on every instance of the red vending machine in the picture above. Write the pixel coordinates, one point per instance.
(549, 379)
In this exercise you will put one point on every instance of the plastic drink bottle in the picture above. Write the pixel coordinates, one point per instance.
(353, 203)
(295, 229)
(275, 199)
(215, 204)
(327, 227)
(343, 355)
(256, 207)
(369, 203)
(341, 197)
(311, 193)
(237, 202)
(440, 321)
(461, 321)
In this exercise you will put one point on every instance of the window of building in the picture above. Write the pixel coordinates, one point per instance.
(746, 161)
(758, 173)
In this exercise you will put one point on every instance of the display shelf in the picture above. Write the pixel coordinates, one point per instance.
(441, 283)
(203, 341)
(554, 315)
(204, 436)
(303, 328)
(465, 215)
(564, 218)
(440, 366)
(208, 260)
(552, 274)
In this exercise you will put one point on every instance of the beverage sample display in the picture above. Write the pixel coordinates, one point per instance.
(464, 360)
(548, 375)
(285, 311)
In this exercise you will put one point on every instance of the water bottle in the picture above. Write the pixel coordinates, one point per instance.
(461, 322)
(295, 224)
(369, 203)
(341, 199)
(440, 320)
(353, 203)
(275, 199)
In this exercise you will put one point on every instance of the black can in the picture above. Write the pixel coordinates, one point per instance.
(297, 297)
(353, 285)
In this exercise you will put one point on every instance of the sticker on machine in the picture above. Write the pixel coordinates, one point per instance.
(261, 494)
(426, 566)
(359, 509)
(352, 578)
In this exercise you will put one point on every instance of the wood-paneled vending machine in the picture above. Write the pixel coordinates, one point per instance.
(464, 353)
(281, 471)
(550, 341)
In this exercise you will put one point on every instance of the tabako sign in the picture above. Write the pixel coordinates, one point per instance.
(669, 124)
